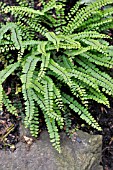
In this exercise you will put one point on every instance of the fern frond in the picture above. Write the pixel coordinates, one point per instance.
(80, 75)
(37, 86)
(53, 132)
(50, 122)
(72, 53)
(67, 120)
(59, 113)
(23, 3)
(88, 35)
(103, 79)
(44, 66)
(43, 104)
(60, 71)
(105, 61)
(8, 70)
(39, 98)
(5, 28)
(9, 105)
(98, 25)
(105, 26)
(34, 126)
(49, 99)
(50, 5)
(80, 92)
(96, 45)
(58, 98)
(6, 47)
(29, 105)
(77, 88)
(60, 16)
(101, 17)
(53, 38)
(83, 14)
(73, 10)
(97, 96)
(56, 93)
(16, 38)
(26, 79)
(83, 112)
(15, 34)
(93, 94)
(68, 62)
(23, 11)
(28, 69)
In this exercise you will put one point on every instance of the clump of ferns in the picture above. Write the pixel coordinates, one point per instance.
(59, 61)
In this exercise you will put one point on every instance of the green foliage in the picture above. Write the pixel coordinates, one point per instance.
(59, 55)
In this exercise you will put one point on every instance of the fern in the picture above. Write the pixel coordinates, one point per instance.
(94, 72)
(84, 13)
(34, 126)
(15, 34)
(44, 65)
(26, 79)
(7, 71)
(53, 131)
(9, 105)
(58, 98)
(84, 114)
(58, 54)
(48, 99)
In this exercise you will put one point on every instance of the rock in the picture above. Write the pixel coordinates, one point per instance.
(83, 155)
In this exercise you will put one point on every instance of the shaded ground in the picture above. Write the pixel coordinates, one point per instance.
(9, 131)
(105, 117)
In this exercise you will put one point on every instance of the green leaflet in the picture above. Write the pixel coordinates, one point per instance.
(16, 38)
(41, 48)
(53, 38)
(44, 65)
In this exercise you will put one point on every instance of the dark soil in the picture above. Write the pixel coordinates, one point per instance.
(105, 119)
(9, 132)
